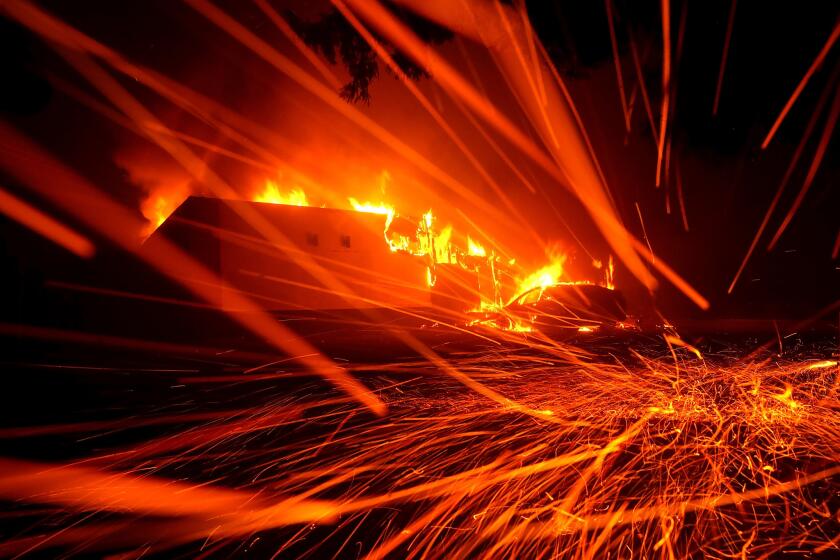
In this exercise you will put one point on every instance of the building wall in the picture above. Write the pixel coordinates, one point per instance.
(456, 288)
(300, 258)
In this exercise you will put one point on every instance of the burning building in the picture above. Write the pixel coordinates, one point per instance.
(299, 257)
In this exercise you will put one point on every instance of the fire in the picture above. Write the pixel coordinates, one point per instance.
(370, 208)
(427, 240)
(474, 248)
(428, 218)
(160, 204)
(608, 272)
(544, 277)
(395, 242)
(271, 194)
(442, 248)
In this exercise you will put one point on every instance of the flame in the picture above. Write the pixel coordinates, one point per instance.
(431, 241)
(474, 248)
(426, 241)
(271, 194)
(519, 326)
(370, 208)
(546, 276)
(608, 272)
(428, 217)
(442, 247)
(160, 204)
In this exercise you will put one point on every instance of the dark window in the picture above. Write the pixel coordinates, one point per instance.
(345, 241)
(312, 239)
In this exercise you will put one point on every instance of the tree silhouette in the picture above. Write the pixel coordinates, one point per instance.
(337, 40)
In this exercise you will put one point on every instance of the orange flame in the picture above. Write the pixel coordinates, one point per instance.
(474, 248)
(369, 207)
(428, 218)
(160, 204)
(442, 247)
(271, 194)
(546, 276)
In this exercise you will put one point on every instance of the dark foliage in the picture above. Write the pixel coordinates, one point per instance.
(334, 37)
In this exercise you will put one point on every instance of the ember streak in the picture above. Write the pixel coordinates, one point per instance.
(709, 455)
(249, 316)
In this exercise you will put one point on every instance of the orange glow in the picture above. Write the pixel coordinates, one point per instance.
(428, 218)
(544, 277)
(51, 178)
(159, 205)
(426, 240)
(474, 248)
(608, 272)
(271, 194)
(557, 127)
(822, 364)
(37, 221)
(371, 208)
(676, 341)
(443, 252)
(666, 85)
(523, 447)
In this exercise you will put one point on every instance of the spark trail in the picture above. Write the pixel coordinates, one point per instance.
(655, 451)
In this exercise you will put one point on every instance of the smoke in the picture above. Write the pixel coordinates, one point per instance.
(164, 185)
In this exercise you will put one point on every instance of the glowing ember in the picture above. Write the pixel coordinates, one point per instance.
(786, 397)
(618, 447)
(823, 364)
